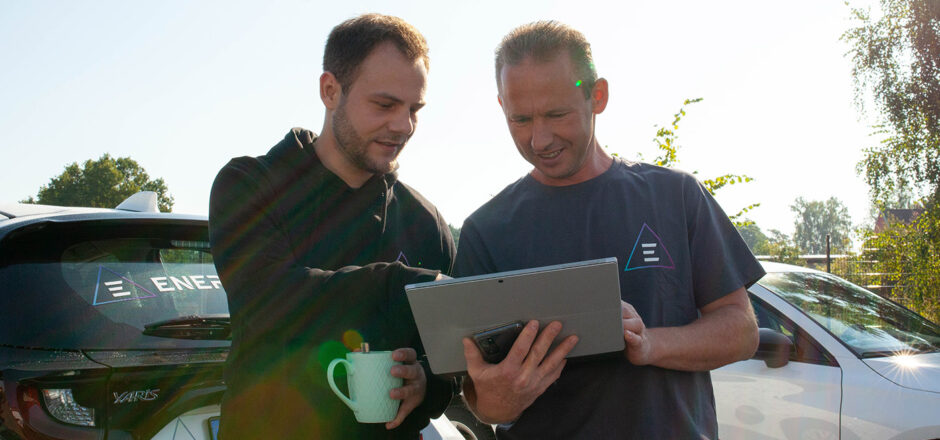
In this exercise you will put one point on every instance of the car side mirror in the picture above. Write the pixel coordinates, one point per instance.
(774, 348)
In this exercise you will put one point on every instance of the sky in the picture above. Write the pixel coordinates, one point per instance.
(183, 86)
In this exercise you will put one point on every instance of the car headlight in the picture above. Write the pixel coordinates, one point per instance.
(61, 404)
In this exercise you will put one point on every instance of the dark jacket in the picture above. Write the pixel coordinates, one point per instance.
(309, 266)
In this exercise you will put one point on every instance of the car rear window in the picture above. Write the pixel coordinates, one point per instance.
(96, 285)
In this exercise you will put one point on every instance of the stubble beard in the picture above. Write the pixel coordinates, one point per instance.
(354, 147)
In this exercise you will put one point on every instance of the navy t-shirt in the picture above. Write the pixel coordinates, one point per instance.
(677, 252)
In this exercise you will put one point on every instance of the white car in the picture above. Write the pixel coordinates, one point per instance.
(835, 362)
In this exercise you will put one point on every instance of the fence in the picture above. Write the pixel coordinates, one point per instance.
(869, 273)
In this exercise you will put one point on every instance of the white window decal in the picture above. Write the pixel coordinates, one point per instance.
(186, 283)
(113, 287)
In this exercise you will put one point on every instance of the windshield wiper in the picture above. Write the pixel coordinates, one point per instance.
(878, 353)
(919, 348)
(215, 327)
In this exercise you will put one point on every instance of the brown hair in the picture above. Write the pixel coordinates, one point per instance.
(543, 40)
(351, 41)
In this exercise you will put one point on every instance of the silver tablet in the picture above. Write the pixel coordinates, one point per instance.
(583, 296)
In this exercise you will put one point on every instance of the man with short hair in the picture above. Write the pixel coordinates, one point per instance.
(683, 267)
(315, 240)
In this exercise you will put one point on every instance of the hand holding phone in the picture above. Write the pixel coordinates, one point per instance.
(495, 342)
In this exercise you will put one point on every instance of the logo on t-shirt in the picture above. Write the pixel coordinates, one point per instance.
(649, 252)
(402, 258)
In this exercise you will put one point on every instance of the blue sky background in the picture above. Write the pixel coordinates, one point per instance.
(183, 86)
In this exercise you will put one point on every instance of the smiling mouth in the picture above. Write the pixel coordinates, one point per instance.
(551, 155)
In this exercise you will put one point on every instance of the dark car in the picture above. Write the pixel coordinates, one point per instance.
(113, 324)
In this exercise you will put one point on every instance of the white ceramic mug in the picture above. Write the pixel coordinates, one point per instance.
(370, 380)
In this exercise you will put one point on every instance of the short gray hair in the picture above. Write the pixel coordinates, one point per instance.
(543, 40)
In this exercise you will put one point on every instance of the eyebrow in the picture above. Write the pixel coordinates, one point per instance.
(396, 99)
(562, 109)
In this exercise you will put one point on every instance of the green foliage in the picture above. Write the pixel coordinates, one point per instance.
(896, 57)
(907, 258)
(102, 183)
(753, 236)
(780, 248)
(667, 140)
(455, 232)
(776, 247)
(815, 219)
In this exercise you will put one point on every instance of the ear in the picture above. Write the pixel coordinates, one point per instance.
(500, 100)
(330, 90)
(599, 96)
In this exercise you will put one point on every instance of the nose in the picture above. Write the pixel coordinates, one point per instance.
(403, 122)
(542, 135)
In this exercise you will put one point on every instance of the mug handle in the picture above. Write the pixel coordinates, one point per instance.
(329, 378)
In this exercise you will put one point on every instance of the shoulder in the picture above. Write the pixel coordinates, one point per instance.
(657, 181)
(414, 199)
(502, 202)
(625, 169)
(287, 153)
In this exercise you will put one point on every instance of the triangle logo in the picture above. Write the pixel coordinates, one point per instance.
(113, 287)
(649, 252)
(402, 258)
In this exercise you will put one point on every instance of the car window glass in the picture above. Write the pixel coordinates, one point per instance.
(805, 349)
(97, 286)
(868, 324)
(141, 281)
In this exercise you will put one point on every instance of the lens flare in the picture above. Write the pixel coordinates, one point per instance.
(352, 339)
(330, 350)
(907, 361)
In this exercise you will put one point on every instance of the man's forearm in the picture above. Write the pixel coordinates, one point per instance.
(719, 337)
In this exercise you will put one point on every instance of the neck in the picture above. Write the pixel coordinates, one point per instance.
(335, 160)
(597, 162)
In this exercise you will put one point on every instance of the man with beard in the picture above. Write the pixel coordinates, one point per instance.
(315, 240)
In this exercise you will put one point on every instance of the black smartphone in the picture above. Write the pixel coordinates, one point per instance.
(495, 342)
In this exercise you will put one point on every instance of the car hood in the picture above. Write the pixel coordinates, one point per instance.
(919, 372)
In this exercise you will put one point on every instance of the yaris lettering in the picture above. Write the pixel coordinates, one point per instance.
(135, 396)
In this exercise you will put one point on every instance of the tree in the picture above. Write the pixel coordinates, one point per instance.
(815, 219)
(102, 183)
(896, 57)
(780, 248)
(776, 246)
(753, 236)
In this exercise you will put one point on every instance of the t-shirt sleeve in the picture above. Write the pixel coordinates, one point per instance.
(721, 261)
(472, 256)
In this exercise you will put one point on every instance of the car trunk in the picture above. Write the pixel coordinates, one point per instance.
(149, 389)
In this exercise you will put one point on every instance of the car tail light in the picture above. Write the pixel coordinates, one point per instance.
(61, 404)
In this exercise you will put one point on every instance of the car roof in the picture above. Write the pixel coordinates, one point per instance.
(17, 215)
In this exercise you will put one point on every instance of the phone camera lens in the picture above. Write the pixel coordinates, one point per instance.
(489, 346)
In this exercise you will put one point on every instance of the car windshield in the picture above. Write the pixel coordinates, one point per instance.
(867, 323)
(98, 288)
